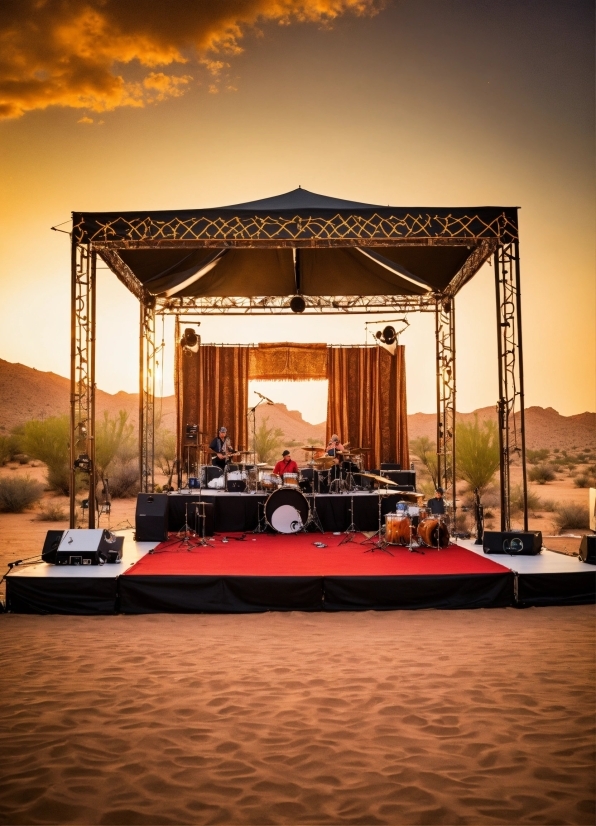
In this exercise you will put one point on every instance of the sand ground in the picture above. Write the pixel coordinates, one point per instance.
(471, 717)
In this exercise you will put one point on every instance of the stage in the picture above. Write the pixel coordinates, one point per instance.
(274, 572)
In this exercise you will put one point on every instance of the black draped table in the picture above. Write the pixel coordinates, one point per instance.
(241, 511)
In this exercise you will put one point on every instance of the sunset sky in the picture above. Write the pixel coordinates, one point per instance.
(163, 105)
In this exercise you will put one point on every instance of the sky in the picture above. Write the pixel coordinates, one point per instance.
(151, 105)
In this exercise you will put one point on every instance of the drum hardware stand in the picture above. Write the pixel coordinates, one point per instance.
(262, 523)
(185, 533)
(378, 544)
(351, 529)
(414, 549)
(205, 543)
(313, 516)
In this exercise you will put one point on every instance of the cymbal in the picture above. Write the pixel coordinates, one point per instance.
(265, 465)
(311, 448)
(409, 494)
(325, 462)
(382, 480)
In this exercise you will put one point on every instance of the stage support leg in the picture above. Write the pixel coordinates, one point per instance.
(512, 430)
(82, 374)
(147, 396)
(445, 356)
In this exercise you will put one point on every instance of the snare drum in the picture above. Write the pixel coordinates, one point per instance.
(291, 480)
(269, 481)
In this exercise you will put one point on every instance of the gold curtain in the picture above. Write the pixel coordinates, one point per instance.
(288, 362)
(366, 404)
(215, 392)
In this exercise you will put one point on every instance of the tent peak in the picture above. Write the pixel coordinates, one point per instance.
(300, 198)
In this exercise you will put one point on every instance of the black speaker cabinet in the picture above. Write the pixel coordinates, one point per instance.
(514, 543)
(51, 545)
(403, 478)
(389, 466)
(587, 549)
(93, 546)
(151, 517)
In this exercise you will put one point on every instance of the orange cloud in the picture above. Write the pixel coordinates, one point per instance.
(95, 54)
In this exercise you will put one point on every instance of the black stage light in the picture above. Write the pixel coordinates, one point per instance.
(297, 304)
(190, 341)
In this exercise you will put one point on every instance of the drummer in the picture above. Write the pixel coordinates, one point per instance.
(334, 446)
(436, 505)
(285, 465)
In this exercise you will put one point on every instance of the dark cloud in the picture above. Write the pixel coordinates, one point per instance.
(103, 54)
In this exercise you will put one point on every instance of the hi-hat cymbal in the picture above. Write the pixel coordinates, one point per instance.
(325, 462)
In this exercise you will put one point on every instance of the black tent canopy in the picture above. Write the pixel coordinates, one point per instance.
(296, 243)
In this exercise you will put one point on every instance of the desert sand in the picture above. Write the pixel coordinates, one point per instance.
(404, 717)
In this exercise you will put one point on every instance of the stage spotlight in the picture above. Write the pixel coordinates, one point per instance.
(297, 304)
(190, 341)
(387, 338)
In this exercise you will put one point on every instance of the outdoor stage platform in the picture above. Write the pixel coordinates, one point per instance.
(275, 572)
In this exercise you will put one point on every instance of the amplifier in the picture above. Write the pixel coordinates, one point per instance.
(401, 477)
(514, 543)
(92, 546)
(151, 517)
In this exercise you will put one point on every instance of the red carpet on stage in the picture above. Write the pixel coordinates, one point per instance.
(295, 555)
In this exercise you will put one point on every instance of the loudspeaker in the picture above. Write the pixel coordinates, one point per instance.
(403, 478)
(51, 545)
(389, 466)
(587, 549)
(205, 513)
(151, 517)
(514, 543)
(92, 546)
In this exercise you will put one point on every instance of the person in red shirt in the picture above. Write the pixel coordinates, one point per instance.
(285, 465)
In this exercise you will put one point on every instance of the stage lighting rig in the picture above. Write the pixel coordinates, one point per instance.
(83, 463)
(388, 337)
(190, 341)
(297, 304)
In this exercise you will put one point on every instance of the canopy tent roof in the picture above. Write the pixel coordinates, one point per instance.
(296, 243)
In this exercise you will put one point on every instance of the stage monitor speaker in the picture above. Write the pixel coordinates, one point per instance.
(151, 517)
(514, 543)
(389, 466)
(92, 546)
(51, 545)
(587, 549)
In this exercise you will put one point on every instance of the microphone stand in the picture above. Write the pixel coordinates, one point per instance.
(252, 412)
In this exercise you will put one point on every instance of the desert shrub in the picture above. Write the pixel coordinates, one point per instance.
(534, 457)
(48, 441)
(268, 441)
(517, 500)
(541, 474)
(549, 505)
(114, 439)
(427, 453)
(584, 481)
(51, 512)
(124, 479)
(165, 453)
(477, 453)
(18, 493)
(10, 446)
(571, 516)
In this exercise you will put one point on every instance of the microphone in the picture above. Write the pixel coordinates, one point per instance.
(265, 399)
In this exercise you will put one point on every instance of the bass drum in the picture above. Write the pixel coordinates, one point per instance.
(286, 510)
(433, 533)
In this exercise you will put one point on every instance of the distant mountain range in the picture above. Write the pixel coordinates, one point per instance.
(26, 393)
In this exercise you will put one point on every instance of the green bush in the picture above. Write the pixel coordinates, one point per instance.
(427, 453)
(268, 441)
(534, 457)
(541, 474)
(18, 493)
(124, 480)
(572, 516)
(517, 500)
(549, 506)
(584, 481)
(52, 513)
(48, 441)
(477, 453)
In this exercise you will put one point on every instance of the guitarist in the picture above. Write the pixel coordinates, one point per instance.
(221, 448)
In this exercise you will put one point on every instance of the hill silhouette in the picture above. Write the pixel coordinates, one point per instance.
(27, 393)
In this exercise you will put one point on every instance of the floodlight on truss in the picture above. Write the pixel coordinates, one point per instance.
(388, 337)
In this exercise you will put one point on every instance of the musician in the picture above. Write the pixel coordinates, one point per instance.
(436, 505)
(221, 448)
(334, 446)
(285, 465)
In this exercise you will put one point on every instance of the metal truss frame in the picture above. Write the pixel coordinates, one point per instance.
(82, 373)
(511, 417)
(315, 305)
(147, 365)
(445, 360)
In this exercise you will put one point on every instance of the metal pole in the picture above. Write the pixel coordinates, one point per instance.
(91, 385)
(73, 356)
(141, 396)
(501, 402)
(438, 382)
(454, 408)
(520, 356)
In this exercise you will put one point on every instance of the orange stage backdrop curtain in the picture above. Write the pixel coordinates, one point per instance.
(285, 361)
(366, 404)
(215, 393)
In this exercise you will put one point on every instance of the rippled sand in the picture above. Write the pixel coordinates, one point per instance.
(404, 717)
